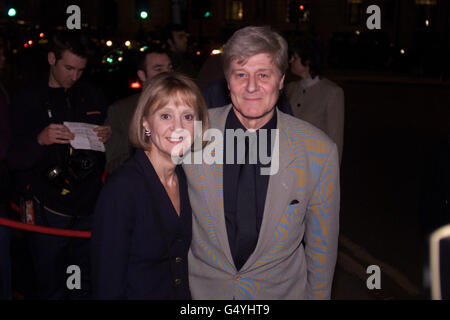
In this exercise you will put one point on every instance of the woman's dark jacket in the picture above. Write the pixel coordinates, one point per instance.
(139, 243)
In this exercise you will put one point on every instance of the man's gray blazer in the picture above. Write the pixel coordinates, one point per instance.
(296, 251)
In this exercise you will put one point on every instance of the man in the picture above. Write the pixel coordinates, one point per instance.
(257, 236)
(60, 181)
(177, 41)
(118, 149)
(314, 98)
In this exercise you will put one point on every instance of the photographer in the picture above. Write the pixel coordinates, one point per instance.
(62, 183)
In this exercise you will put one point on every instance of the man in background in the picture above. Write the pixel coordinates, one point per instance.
(61, 182)
(118, 149)
(177, 43)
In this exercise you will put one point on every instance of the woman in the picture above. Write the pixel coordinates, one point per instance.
(315, 99)
(142, 224)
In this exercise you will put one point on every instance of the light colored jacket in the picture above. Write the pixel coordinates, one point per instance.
(322, 105)
(296, 251)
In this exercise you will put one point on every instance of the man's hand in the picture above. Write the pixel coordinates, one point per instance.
(103, 132)
(55, 133)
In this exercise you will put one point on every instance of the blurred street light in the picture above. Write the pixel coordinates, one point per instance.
(135, 85)
(12, 12)
(143, 15)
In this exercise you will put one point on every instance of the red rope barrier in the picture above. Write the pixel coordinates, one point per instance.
(45, 230)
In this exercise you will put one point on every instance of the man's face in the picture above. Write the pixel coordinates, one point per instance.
(254, 87)
(180, 40)
(157, 63)
(65, 71)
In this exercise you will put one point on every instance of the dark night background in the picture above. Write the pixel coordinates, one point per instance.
(396, 84)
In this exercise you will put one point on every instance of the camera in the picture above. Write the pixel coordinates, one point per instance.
(76, 169)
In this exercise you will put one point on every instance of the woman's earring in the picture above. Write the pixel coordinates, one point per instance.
(147, 133)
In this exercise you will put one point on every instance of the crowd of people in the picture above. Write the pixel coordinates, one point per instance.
(164, 228)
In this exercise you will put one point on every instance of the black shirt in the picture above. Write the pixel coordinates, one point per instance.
(231, 173)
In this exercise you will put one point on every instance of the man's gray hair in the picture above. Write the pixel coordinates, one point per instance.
(249, 41)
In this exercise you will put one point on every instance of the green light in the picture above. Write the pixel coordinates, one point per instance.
(207, 14)
(110, 60)
(12, 12)
(144, 15)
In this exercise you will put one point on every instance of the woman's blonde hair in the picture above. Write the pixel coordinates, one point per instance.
(165, 88)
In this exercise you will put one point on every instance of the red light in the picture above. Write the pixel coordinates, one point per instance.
(25, 45)
(41, 35)
(135, 85)
(301, 7)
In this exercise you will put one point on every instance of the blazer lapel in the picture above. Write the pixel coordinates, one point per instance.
(214, 191)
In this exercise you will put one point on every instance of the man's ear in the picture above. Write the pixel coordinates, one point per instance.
(142, 76)
(171, 44)
(51, 58)
(281, 82)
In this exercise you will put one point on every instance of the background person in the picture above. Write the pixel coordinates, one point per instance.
(260, 236)
(176, 38)
(143, 224)
(314, 98)
(119, 149)
(62, 182)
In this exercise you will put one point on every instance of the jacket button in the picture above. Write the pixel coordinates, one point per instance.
(178, 259)
(177, 282)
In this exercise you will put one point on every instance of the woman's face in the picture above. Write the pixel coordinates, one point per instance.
(172, 130)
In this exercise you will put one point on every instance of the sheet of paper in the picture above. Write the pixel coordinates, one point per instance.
(85, 137)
